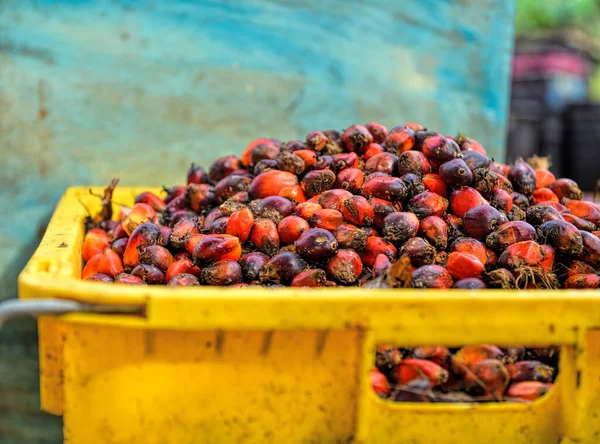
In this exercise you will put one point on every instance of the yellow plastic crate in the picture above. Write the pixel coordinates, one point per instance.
(289, 365)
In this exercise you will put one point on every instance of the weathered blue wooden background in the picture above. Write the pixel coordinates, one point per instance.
(139, 89)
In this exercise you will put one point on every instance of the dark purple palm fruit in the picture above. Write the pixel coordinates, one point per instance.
(470, 284)
(456, 173)
(413, 162)
(384, 162)
(484, 181)
(522, 176)
(398, 227)
(481, 220)
(510, 233)
(282, 268)
(500, 278)
(520, 200)
(413, 184)
(475, 160)
(591, 249)
(540, 213)
(419, 251)
(562, 236)
(197, 174)
(439, 149)
(356, 139)
(431, 276)
(252, 264)
(316, 244)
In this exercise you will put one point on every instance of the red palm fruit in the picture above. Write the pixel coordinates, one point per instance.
(399, 140)
(543, 178)
(357, 138)
(305, 210)
(356, 210)
(129, 279)
(240, 224)
(197, 174)
(427, 204)
(488, 377)
(455, 227)
(547, 263)
(522, 177)
(315, 182)
(431, 276)
(582, 281)
(383, 162)
(501, 200)
(540, 213)
(435, 231)
(310, 278)
(566, 189)
(411, 369)
(510, 233)
(472, 246)
(544, 195)
(435, 184)
(247, 154)
(183, 280)
(504, 183)
(294, 194)
(290, 228)
(149, 274)
(469, 355)
(265, 237)
(581, 224)
(156, 255)
(573, 266)
(456, 173)
(217, 247)
(316, 244)
(398, 227)
(200, 196)
(375, 246)
(378, 131)
(465, 198)
(562, 236)
(334, 199)
(344, 267)
(290, 162)
(308, 156)
(481, 220)
(342, 161)
(252, 264)
(91, 266)
(381, 208)
(467, 144)
(499, 278)
(181, 266)
(229, 186)
(350, 179)
(191, 242)
(387, 357)
(143, 236)
(151, 199)
(491, 258)
(584, 209)
(174, 192)
(529, 371)
(326, 219)
(222, 273)
(370, 231)
(470, 284)
(350, 237)
(389, 188)
(224, 166)
(528, 390)
(100, 277)
(435, 353)
(528, 253)
(414, 126)
(270, 183)
(381, 265)
(464, 265)
(373, 149)
(475, 160)
(95, 242)
(379, 383)
(591, 249)
(282, 269)
(413, 162)
(419, 251)
(316, 140)
(182, 231)
(439, 149)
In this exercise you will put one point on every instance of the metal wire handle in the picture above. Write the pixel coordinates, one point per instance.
(16, 308)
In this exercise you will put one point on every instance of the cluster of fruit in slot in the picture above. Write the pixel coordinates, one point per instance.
(473, 373)
(364, 207)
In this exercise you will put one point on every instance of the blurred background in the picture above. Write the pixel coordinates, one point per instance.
(139, 89)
